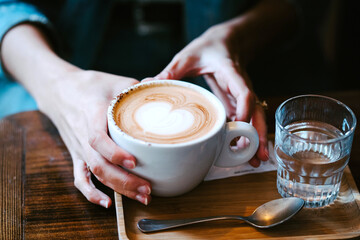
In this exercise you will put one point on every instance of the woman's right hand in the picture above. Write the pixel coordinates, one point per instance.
(80, 114)
(76, 101)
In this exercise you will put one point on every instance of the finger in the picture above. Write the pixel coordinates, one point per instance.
(227, 100)
(148, 79)
(114, 176)
(259, 122)
(165, 74)
(82, 181)
(182, 65)
(100, 149)
(82, 177)
(99, 140)
(244, 142)
(232, 82)
(254, 162)
(118, 179)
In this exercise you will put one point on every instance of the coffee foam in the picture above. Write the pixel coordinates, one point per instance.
(165, 113)
(160, 118)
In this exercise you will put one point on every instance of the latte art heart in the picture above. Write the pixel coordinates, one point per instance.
(165, 113)
(160, 118)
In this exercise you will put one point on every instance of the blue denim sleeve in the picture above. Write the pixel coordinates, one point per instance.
(13, 13)
(13, 97)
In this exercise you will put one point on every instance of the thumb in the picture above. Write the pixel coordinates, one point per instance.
(237, 85)
(178, 68)
(164, 74)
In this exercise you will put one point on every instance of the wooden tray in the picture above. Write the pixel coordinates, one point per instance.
(241, 195)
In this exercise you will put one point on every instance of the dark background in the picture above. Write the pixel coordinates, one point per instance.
(326, 56)
(323, 56)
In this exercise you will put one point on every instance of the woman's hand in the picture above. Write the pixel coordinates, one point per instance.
(76, 101)
(221, 55)
(215, 55)
(80, 114)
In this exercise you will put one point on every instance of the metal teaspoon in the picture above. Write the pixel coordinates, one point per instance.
(267, 215)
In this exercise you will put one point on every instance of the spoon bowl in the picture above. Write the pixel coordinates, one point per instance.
(267, 215)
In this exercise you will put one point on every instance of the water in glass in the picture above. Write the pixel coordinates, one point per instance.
(310, 169)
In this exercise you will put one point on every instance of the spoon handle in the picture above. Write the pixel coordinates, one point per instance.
(152, 225)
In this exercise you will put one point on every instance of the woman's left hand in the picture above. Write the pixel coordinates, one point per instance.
(214, 56)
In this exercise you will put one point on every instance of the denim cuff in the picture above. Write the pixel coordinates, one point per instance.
(14, 13)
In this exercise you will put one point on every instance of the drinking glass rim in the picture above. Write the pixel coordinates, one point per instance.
(347, 134)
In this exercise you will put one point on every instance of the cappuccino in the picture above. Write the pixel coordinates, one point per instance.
(176, 131)
(164, 113)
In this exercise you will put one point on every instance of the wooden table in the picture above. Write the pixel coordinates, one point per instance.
(38, 199)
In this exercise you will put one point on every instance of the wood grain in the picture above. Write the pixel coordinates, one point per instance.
(241, 196)
(51, 205)
(11, 188)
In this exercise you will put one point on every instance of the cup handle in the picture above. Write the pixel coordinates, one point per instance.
(230, 158)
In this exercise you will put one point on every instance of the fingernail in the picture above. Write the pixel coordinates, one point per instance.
(254, 162)
(145, 189)
(129, 164)
(163, 75)
(104, 203)
(141, 198)
(159, 76)
(267, 153)
(146, 79)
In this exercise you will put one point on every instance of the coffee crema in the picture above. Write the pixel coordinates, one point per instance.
(164, 113)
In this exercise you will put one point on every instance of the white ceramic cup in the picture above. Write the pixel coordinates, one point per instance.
(174, 169)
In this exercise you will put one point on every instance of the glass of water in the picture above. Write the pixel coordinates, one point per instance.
(313, 141)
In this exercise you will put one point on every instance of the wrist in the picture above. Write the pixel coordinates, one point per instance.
(28, 57)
